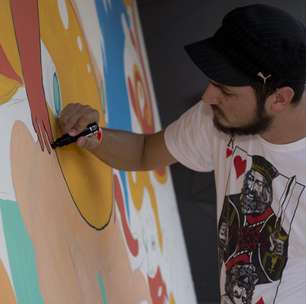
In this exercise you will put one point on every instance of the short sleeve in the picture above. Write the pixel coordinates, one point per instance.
(189, 138)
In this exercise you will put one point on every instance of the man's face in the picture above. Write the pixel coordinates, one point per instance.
(256, 194)
(239, 294)
(236, 109)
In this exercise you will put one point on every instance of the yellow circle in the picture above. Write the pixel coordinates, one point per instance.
(89, 180)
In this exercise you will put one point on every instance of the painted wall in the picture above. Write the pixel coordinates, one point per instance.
(72, 230)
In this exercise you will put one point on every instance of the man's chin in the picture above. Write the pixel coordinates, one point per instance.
(251, 129)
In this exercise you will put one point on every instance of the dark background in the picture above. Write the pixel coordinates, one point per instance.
(168, 25)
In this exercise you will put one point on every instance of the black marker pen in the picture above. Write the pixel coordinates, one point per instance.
(67, 139)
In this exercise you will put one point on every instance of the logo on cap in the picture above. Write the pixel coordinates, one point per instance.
(261, 75)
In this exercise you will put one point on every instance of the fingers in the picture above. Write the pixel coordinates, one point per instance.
(38, 132)
(47, 134)
(48, 130)
(46, 139)
(42, 135)
(67, 117)
(75, 117)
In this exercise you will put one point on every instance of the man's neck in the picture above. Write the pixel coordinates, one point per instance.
(289, 126)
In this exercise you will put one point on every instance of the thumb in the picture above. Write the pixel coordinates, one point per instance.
(88, 142)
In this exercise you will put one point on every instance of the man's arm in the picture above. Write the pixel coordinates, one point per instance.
(119, 149)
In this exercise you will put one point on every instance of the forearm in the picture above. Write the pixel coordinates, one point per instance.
(121, 149)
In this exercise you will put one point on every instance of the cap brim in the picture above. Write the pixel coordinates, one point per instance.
(214, 65)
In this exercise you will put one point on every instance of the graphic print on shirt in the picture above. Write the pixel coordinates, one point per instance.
(254, 228)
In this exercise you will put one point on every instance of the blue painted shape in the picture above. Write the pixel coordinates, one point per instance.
(57, 95)
(102, 288)
(21, 254)
(116, 91)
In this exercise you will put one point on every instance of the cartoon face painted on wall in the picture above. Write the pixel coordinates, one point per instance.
(65, 196)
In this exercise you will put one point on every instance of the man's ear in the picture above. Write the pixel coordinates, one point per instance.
(280, 99)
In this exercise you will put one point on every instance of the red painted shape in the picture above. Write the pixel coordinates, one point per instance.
(240, 165)
(147, 127)
(6, 69)
(260, 301)
(158, 288)
(229, 152)
(160, 171)
(240, 259)
(26, 24)
(100, 135)
(131, 242)
(136, 39)
(253, 219)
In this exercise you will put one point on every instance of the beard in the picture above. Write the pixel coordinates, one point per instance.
(260, 122)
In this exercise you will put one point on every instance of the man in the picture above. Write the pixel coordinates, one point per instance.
(250, 128)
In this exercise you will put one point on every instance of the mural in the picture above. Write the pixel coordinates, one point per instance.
(72, 229)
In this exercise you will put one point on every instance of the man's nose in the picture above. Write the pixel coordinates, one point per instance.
(211, 95)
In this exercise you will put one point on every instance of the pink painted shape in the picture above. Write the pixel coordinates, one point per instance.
(26, 23)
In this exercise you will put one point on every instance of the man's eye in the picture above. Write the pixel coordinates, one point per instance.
(226, 93)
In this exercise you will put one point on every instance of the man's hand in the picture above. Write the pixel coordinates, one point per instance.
(74, 118)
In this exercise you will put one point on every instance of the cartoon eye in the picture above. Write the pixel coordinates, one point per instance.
(57, 95)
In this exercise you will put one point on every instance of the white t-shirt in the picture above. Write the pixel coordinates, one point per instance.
(261, 207)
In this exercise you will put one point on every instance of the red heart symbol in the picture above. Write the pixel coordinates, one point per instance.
(229, 152)
(240, 165)
(260, 301)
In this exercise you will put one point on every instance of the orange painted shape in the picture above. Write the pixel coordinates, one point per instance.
(138, 187)
(7, 37)
(171, 299)
(7, 294)
(10, 70)
(161, 175)
(6, 69)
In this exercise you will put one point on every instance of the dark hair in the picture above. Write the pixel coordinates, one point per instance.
(264, 91)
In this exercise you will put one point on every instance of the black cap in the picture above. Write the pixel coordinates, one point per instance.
(255, 43)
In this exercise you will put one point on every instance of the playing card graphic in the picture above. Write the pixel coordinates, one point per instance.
(254, 227)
